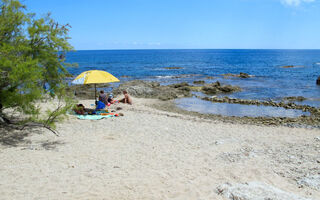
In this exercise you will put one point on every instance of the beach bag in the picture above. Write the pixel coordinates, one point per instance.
(100, 105)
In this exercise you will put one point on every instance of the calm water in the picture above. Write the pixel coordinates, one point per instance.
(198, 105)
(270, 81)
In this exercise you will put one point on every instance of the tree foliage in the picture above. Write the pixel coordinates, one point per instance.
(31, 59)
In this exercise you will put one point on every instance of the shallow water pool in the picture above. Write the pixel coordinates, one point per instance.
(227, 109)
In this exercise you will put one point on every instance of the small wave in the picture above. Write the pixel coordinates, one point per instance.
(318, 63)
(164, 76)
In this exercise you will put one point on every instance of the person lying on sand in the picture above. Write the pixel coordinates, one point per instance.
(127, 99)
(79, 109)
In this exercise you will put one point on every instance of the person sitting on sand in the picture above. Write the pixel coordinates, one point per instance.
(110, 99)
(103, 97)
(127, 99)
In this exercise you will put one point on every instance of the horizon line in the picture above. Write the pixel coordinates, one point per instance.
(192, 49)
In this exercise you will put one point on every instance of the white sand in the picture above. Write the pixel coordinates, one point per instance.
(151, 154)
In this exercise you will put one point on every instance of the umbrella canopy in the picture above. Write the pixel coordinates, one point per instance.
(95, 77)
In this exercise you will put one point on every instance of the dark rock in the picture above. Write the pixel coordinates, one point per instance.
(185, 88)
(215, 88)
(179, 85)
(244, 75)
(229, 88)
(292, 66)
(241, 75)
(318, 81)
(199, 82)
(298, 98)
(144, 89)
(287, 66)
(210, 90)
(173, 67)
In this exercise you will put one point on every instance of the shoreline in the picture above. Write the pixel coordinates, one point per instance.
(259, 121)
(168, 93)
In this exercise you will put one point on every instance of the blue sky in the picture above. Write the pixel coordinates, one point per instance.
(187, 24)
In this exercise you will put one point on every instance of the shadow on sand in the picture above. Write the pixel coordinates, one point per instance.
(15, 137)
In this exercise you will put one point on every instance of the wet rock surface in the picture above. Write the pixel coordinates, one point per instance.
(318, 81)
(173, 68)
(185, 76)
(200, 82)
(217, 88)
(298, 98)
(291, 66)
(288, 66)
(240, 75)
(143, 89)
(255, 191)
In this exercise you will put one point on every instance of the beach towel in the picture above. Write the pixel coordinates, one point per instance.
(94, 117)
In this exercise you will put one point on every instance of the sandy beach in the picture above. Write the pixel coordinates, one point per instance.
(153, 154)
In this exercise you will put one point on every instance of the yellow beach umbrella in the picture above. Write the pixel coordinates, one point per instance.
(95, 77)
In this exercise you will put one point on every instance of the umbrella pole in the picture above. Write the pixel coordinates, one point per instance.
(95, 92)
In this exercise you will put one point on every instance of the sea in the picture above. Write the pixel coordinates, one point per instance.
(269, 81)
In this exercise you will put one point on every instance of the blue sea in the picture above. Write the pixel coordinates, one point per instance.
(269, 81)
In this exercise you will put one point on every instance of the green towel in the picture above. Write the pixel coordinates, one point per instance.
(94, 117)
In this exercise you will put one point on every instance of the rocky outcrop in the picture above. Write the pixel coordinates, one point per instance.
(318, 81)
(200, 82)
(143, 89)
(298, 98)
(244, 75)
(241, 75)
(288, 66)
(216, 88)
(173, 67)
(292, 66)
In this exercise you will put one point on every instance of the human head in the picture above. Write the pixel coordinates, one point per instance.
(101, 91)
(124, 92)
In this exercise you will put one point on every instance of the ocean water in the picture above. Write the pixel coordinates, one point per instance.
(270, 80)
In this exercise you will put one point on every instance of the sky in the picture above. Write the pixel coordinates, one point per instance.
(186, 24)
